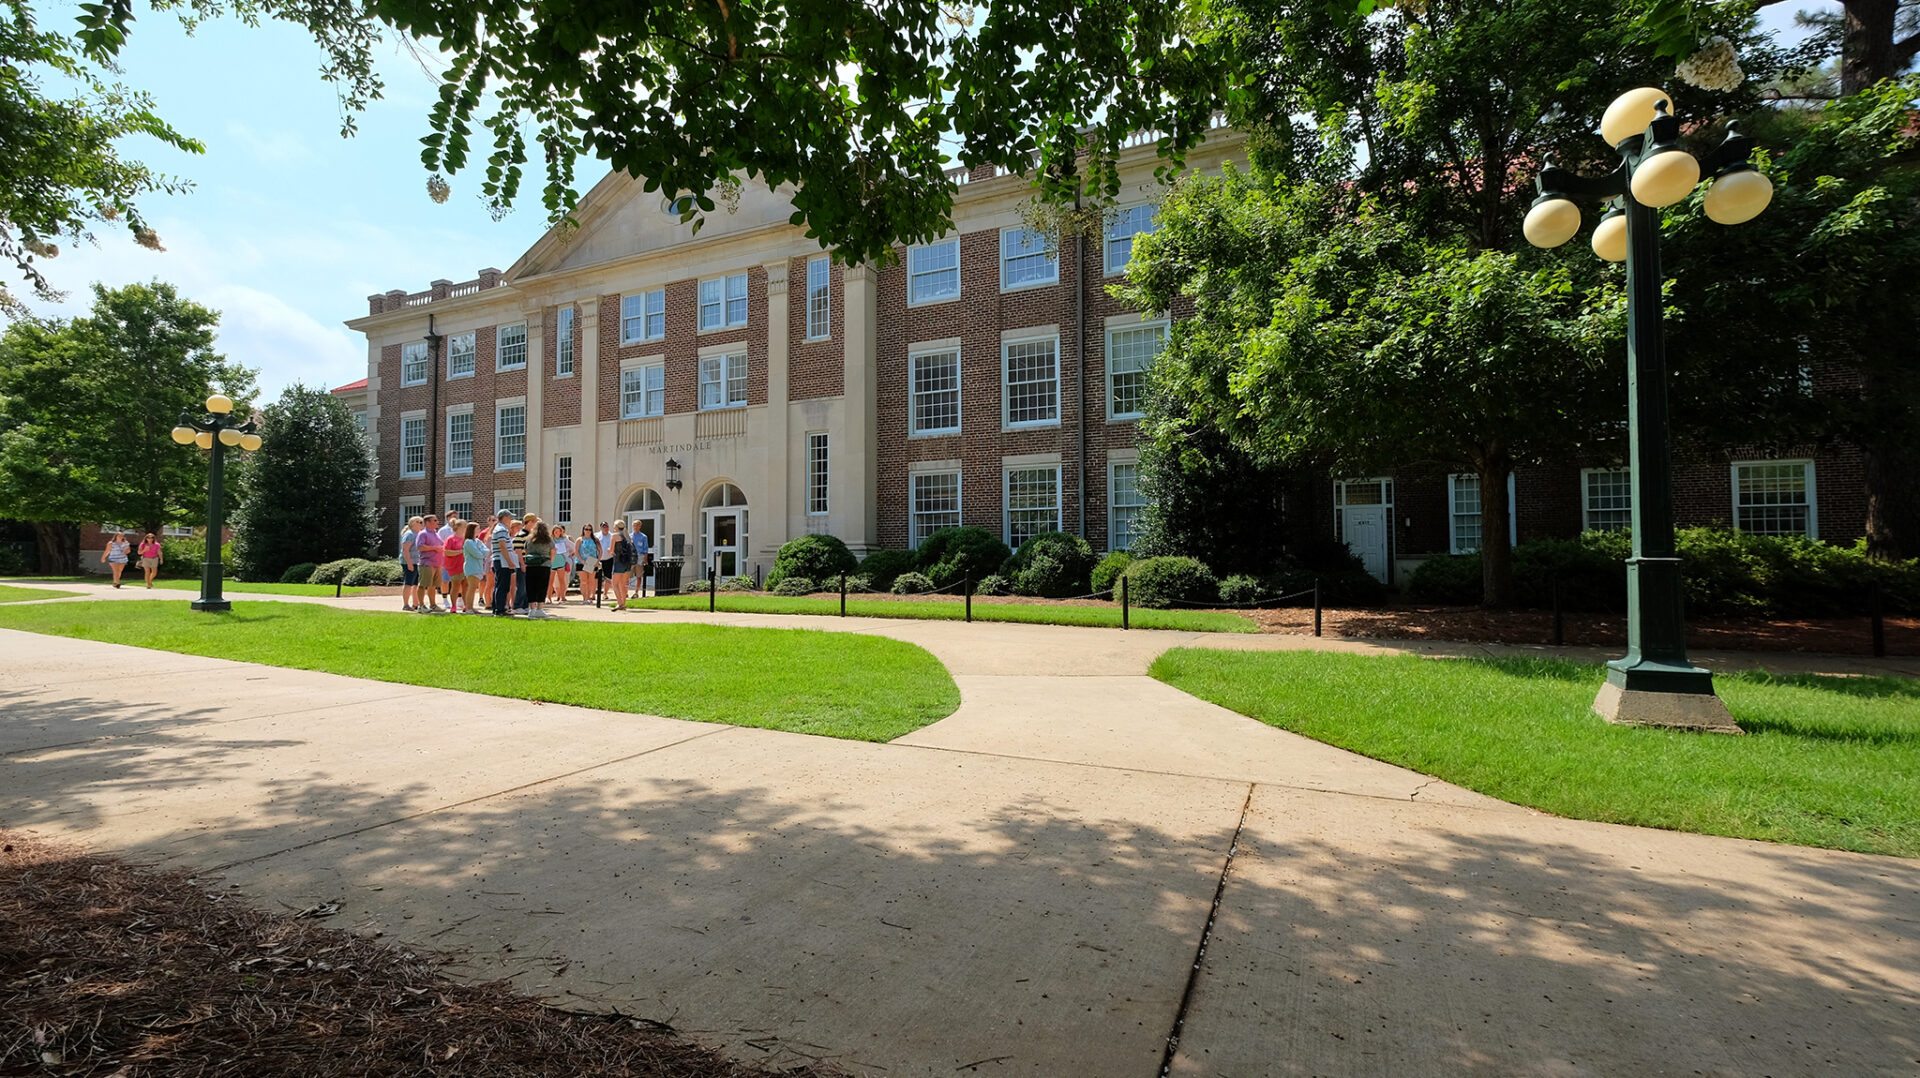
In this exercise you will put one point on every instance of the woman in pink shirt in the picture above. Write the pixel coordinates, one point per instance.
(150, 557)
(454, 564)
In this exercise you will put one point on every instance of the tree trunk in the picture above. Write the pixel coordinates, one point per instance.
(1893, 505)
(1866, 49)
(1496, 551)
(59, 542)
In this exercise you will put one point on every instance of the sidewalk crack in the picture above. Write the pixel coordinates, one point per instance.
(1206, 936)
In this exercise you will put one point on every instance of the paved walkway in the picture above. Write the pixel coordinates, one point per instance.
(1017, 889)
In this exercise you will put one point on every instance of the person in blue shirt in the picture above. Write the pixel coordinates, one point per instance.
(642, 559)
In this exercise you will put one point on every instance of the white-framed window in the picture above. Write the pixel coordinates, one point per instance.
(360, 420)
(563, 490)
(413, 363)
(409, 508)
(1606, 499)
(1463, 500)
(935, 503)
(460, 441)
(510, 436)
(933, 272)
(643, 316)
(459, 507)
(816, 472)
(460, 353)
(1124, 503)
(723, 302)
(413, 446)
(1033, 502)
(934, 407)
(1030, 381)
(1130, 352)
(643, 391)
(723, 381)
(510, 347)
(819, 297)
(516, 506)
(563, 342)
(1126, 224)
(1027, 259)
(1775, 497)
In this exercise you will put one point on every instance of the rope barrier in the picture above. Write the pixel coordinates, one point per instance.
(1245, 606)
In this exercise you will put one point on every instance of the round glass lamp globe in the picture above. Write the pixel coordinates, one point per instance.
(204, 439)
(1630, 114)
(183, 435)
(1610, 239)
(1551, 223)
(219, 404)
(229, 436)
(1665, 178)
(1738, 197)
(250, 442)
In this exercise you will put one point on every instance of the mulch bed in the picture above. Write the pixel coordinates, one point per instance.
(122, 971)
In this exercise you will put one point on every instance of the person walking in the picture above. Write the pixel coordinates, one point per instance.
(539, 569)
(115, 556)
(410, 564)
(505, 561)
(562, 562)
(622, 563)
(150, 556)
(429, 549)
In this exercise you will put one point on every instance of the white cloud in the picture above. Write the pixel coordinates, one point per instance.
(279, 148)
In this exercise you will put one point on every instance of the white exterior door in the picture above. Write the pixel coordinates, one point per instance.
(1365, 528)
(726, 540)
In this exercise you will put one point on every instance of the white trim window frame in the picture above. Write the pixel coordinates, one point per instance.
(413, 363)
(414, 505)
(643, 316)
(1126, 224)
(1775, 497)
(462, 509)
(563, 489)
(461, 353)
(460, 448)
(510, 347)
(643, 391)
(413, 445)
(1030, 382)
(723, 381)
(818, 479)
(933, 272)
(723, 302)
(509, 436)
(1032, 501)
(1124, 503)
(563, 343)
(1463, 489)
(933, 501)
(1127, 366)
(1606, 500)
(1028, 259)
(515, 506)
(933, 392)
(819, 298)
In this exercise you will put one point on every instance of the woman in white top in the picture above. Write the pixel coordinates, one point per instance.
(115, 556)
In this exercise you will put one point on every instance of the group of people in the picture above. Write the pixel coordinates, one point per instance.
(118, 551)
(515, 566)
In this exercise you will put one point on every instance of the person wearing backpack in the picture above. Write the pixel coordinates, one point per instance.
(622, 563)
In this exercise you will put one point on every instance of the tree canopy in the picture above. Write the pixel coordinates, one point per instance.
(305, 487)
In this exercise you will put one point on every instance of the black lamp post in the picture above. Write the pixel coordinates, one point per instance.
(217, 431)
(1654, 684)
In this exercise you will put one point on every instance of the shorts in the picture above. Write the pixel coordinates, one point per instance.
(455, 574)
(409, 575)
(621, 567)
(149, 563)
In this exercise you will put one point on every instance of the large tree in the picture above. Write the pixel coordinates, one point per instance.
(86, 409)
(306, 488)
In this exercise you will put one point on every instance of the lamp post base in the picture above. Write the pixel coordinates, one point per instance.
(211, 606)
(1702, 712)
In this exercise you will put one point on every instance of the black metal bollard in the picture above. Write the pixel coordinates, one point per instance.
(756, 577)
(1877, 624)
(1559, 617)
(336, 587)
(1316, 607)
(1123, 602)
(966, 589)
(843, 595)
(713, 589)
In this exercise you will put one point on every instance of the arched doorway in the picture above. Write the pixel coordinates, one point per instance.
(723, 530)
(646, 514)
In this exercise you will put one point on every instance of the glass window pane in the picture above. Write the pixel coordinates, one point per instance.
(1032, 381)
(1130, 352)
(936, 503)
(936, 392)
(1609, 501)
(933, 272)
(1124, 503)
(1026, 258)
(510, 347)
(1772, 498)
(511, 436)
(1033, 503)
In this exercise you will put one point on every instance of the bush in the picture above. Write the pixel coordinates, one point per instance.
(815, 557)
(373, 574)
(335, 572)
(1053, 564)
(737, 583)
(1164, 582)
(993, 584)
(912, 584)
(19, 559)
(1243, 590)
(693, 584)
(1106, 574)
(881, 566)
(298, 574)
(183, 557)
(1450, 579)
(794, 585)
(951, 553)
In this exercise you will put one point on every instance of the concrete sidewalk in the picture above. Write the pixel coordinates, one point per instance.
(1017, 889)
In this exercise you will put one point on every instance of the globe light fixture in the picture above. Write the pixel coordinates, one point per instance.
(183, 435)
(250, 442)
(216, 431)
(1630, 114)
(1738, 196)
(1610, 236)
(1551, 222)
(1665, 178)
(219, 404)
(204, 439)
(229, 436)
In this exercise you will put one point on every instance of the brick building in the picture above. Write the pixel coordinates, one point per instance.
(730, 391)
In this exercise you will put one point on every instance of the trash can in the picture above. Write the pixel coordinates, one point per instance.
(666, 576)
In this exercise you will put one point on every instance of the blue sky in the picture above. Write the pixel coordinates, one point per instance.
(289, 227)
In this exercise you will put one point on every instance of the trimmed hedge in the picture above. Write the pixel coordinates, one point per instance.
(1163, 582)
(373, 574)
(911, 584)
(815, 557)
(794, 585)
(335, 572)
(1243, 590)
(882, 566)
(1052, 564)
(993, 584)
(1106, 573)
(951, 553)
(298, 574)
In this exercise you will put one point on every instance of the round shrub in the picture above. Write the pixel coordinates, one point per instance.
(693, 584)
(994, 584)
(794, 585)
(1451, 579)
(373, 574)
(737, 583)
(1106, 574)
(1165, 582)
(335, 572)
(815, 557)
(1242, 590)
(912, 584)
(951, 553)
(881, 566)
(1053, 564)
(298, 574)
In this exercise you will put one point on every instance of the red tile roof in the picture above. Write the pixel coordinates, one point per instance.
(351, 386)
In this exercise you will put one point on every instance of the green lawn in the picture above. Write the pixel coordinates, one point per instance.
(9, 594)
(834, 684)
(1205, 621)
(131, 579)
(1827, 761)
